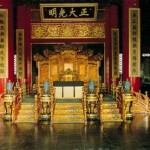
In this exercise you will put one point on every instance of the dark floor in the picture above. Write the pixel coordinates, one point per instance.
(133, 135)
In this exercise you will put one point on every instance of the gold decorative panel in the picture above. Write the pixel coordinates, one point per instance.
(115, 52)
(3, 43)
(134, 42)
(93, 72)
(44, 72)
(67, 30)
(20, 53)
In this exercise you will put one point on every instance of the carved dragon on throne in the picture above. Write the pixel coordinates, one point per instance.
(68, 75)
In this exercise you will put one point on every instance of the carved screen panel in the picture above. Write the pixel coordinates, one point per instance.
(93, 72)
(82, 69)
(43, 72)
(54, 73)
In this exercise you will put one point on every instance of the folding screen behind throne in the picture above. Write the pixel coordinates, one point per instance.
(68, 64)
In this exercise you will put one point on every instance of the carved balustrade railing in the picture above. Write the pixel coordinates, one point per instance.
(119, 100)
(85, 106)
(36, 107)
(16, 105)
(124, 103)
(135, 103)
(52, 106)
(141, 102)
(100, 101)
(2, 109)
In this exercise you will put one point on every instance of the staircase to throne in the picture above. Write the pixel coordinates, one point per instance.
(68, 69)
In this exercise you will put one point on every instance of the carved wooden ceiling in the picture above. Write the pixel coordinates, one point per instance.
(37, 2)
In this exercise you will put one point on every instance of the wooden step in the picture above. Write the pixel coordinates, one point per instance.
(26, 113)
(25, 118)
(111, 117)
(68, 118)
(27, 106)
(68, 113)
(68, 106)
(110, 112)
(109, 105)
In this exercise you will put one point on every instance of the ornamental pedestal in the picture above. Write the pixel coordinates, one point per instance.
(92, 106)
(45, 107)
(8, 102)
(128, 105)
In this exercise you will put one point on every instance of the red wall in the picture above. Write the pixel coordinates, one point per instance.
(111, 22)
(9, 5)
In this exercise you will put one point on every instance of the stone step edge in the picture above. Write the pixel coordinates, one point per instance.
(111, 120)
(69, 121)
(21, 121)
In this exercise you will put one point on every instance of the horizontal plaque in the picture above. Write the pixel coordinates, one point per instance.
(72, 12)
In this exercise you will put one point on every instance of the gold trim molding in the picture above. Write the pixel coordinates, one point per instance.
(67, 30)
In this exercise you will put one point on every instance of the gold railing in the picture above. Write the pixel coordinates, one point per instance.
(36, 107)
(2, 109)
(16, 104)
(52, 104)
(141, 102)
(119, 100)
(137, 103)
(85, 106)
(100, 101)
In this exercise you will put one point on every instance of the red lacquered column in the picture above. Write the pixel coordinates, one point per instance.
(135, 81)
(114, 24)
(24, 23)
(111, 22)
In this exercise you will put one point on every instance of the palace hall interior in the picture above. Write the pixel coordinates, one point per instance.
(75, 75)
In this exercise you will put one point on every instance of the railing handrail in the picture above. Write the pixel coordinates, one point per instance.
(17, 100)
(84, 106)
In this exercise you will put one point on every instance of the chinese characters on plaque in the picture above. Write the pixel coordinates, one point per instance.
(115, 52)
(3, 43)
(20, 53)
(134, 42)
(73, 12)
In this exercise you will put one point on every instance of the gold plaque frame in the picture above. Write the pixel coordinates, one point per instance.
(4, 43)
(20, 53)
(67, 5)
(115, 52)
(134, 42)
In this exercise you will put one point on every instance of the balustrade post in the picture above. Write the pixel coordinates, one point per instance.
(45, 101)
(92, 102)
(8, 101)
